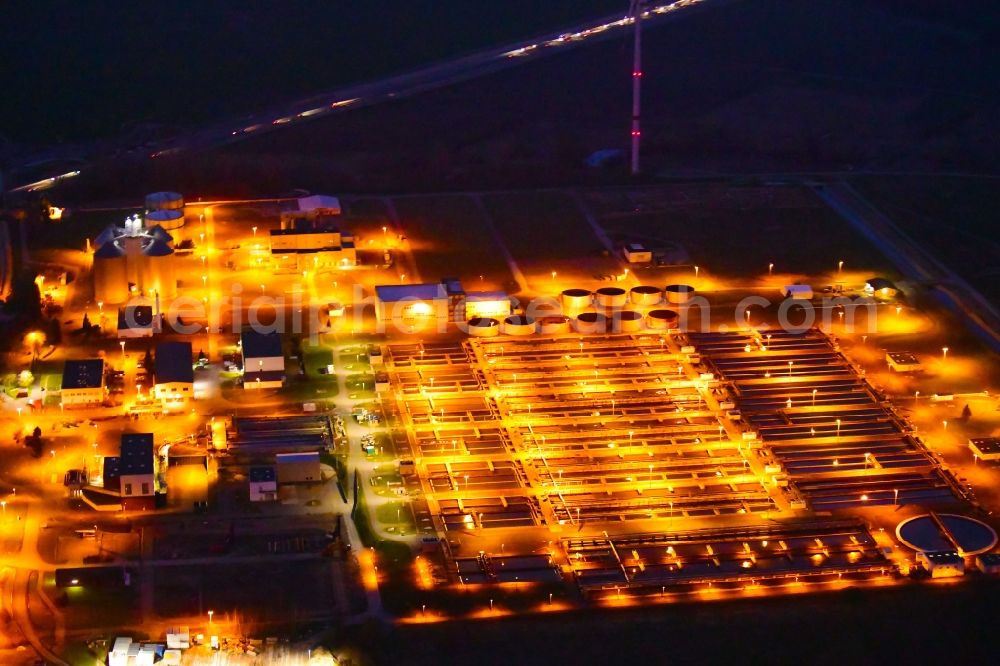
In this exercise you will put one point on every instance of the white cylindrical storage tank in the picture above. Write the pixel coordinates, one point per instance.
(662, 319)
(626, 321)
(678, 294)
(645, 294)
(553, 325)
(591, 322)
(110, 274)
(518, 325)
(483, 327)
(574, 300)
(164, 201)
(611, 297)
(169, 219)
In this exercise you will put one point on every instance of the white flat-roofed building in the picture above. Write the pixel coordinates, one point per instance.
(481, 304)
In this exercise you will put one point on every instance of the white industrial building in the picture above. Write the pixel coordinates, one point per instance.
(173, 370)
(303, 467)
(263, 360)
(636, 253)
(487, 304)
(942, 563)
(410, 303)
(83, 383)
(263, 484)
(132, 259)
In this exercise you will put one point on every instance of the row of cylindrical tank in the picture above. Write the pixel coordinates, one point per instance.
(616, 297)
(165, 209)
(622, 321)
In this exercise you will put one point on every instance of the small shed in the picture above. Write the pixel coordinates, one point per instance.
(636, 253)
(882, 288)
(988, 563)
(802, 292)
(985, 448)
(902, 362)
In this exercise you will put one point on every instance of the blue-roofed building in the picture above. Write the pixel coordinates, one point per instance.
(137, 471)
(263, 359)
(411, 303)
(174, 372)
(82, 382)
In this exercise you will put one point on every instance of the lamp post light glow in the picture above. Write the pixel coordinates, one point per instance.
(814, 397)
(838, 428)
(210, 614)
(696, 271)
(254, 231)
(770, 269)
(895, 497)
(840, 266)
(790, 363)
(944, 353)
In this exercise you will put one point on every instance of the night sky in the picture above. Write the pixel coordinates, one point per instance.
(80, 70)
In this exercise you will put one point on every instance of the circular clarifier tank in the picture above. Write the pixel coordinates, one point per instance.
(553, 325)
(626, 321)
(591, 322)
(574, 300)
(679, 293)
(645, 294)
(611, 297)
(518, 325)
(923, 533)
(662, 319)
(483, 327)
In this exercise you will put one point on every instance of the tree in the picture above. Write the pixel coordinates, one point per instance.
(53, 332)
(25, 299)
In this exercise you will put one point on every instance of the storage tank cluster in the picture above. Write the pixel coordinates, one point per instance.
(132, 254)
(612, 315)
(165, 209)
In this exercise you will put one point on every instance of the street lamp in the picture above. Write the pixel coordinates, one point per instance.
(895, 497)
(838, 427)
(790, 368)
(840, 266)
(210, 614)
(553, 276)
(254, 231)
(944, 353)
(122, 343)
(770, 269)
(696, 271)
(814, 397)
